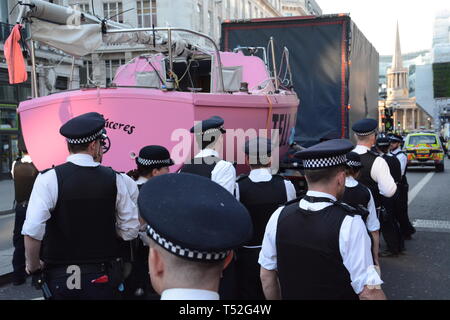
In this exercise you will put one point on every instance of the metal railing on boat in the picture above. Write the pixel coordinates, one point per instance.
(169, 31)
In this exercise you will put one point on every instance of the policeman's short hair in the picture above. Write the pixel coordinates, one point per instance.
(384, 149)
(323, 175)
(193, 271)
(207, 140)
(365, 138)
(77, 148)
(352, 171)
(258, 162)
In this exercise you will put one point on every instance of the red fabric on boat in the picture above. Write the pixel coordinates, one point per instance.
(17, 69)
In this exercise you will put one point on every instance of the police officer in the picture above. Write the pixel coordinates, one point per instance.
(152, 161)
(78, 211)
(194, 225)
(24, 174)
(319, 248)
(359, 196)
(375, 173)
(209, 137)
(389, 224)
(401, 210)
(261, 193)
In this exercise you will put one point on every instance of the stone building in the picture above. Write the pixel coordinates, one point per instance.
(54, 73)
(408, 114)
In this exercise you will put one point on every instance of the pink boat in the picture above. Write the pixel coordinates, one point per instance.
(156, 98)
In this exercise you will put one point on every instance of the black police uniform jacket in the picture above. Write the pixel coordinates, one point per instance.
(261, 199)
(82, 225)
(204, 169)
(367, 160)
(310, 265)
(394, 167)
(357, 197)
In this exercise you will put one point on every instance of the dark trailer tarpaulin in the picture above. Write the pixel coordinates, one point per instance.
(335, 68)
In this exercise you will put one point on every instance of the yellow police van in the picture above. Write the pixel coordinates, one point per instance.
(425, 149)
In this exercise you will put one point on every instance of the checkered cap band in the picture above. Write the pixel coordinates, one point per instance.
(184, 252)
(364, 134)
(147, 162)
(210, 131)
(324, 162)
(85, 139)
(354, 164)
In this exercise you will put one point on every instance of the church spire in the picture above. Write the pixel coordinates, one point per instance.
(397, 61)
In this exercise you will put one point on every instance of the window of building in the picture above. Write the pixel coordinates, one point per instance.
(84, 7)
(146, 13)
(7, 93)
(111, 69)
(228, 11)
(236, 10)
(113, 11)
(250, 11)
(200, 17)
(8, 117)
(8, 153)
(62, 83)
(24, 93)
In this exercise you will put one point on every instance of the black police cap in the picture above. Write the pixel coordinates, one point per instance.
(326, 154)
(211, 125)
(395, 138)
(365, 127)
(154, 156)
(383, 142)
(354, 160)
(84, 128)
(193, 217)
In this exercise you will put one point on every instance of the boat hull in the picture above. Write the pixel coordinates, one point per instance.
(138, 116)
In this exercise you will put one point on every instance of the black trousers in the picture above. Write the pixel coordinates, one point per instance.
(390, 228)
(18, 261)
(248, 274)
(88, 291)
(139, 277)
(401, 211)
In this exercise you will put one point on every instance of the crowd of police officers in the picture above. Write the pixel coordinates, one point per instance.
(90, 232)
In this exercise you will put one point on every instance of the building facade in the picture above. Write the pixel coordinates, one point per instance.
(427, 71)
(204, 16)
(54, 72)
(408, 115)
(301, 8)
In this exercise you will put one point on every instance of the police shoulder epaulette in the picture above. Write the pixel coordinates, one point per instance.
(349, 209)
(292, 202)
(373, 153)
(241, 177)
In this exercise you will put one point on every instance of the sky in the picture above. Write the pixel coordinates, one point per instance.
(377, 19)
